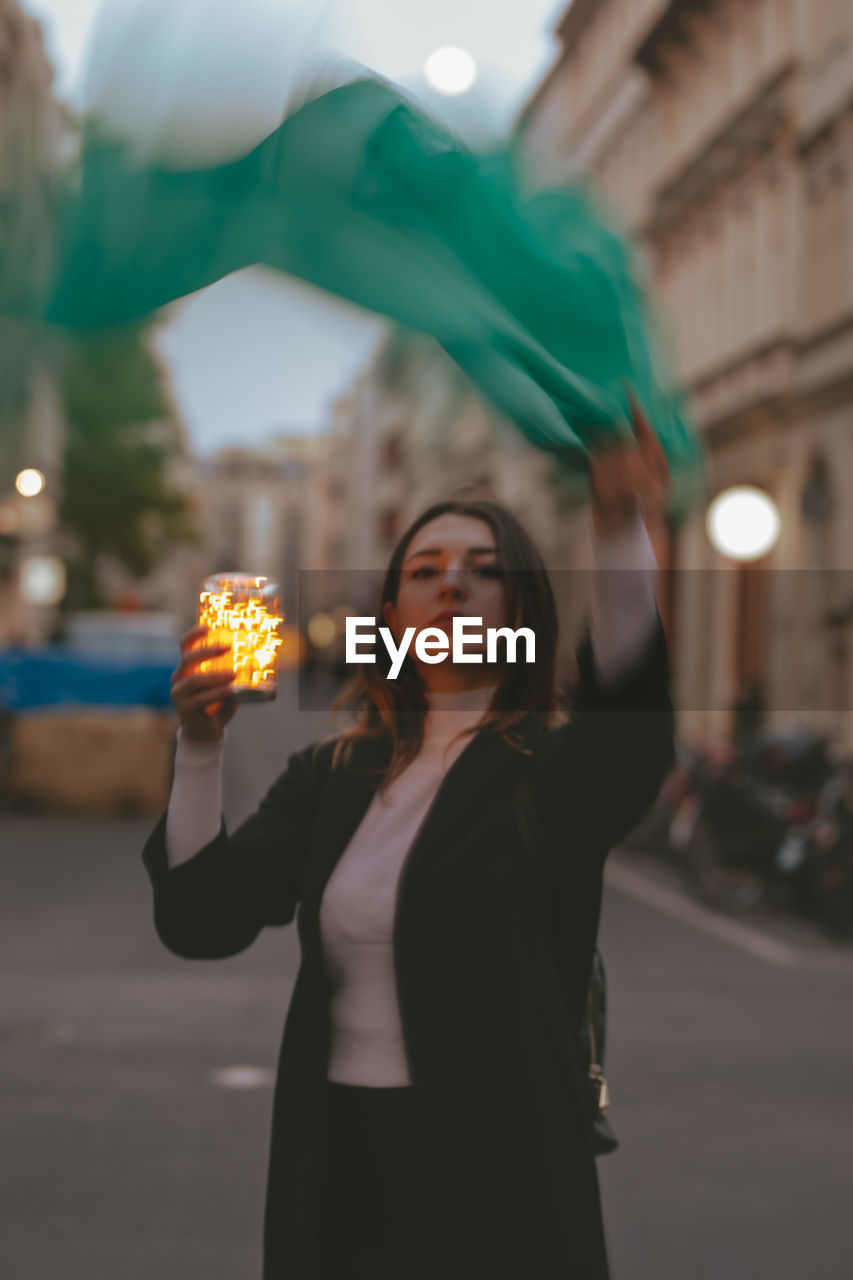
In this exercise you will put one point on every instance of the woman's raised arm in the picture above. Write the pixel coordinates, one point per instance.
(619, 746)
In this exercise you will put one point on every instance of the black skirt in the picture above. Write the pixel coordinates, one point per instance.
(376, 1211)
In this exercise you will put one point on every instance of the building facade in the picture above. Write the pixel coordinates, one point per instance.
(720, 134)
(258, 511)
(31, 422)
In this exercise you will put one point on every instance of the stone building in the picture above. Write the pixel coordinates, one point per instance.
(31, 425)
(257, 511)
(721, 133)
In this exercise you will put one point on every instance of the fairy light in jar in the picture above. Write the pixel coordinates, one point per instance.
(241, 611)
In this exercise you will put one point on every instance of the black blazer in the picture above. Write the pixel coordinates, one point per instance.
(492, 1056)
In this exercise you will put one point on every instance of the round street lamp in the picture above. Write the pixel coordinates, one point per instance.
(743, 523)
(42, 580)
(450, 71)
(29, 483)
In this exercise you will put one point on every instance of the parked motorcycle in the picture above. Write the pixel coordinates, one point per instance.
(743, 824)
(652, 833)
(831, 854)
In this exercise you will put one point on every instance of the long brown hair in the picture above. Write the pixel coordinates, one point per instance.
(525, 692)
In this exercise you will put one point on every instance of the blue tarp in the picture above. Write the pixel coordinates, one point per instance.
(32, 678)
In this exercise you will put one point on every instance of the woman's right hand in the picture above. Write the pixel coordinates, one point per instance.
(202, 700)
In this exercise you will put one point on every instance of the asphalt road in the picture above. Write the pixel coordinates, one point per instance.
(126, 1155)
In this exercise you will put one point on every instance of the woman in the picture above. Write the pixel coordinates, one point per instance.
(430, 1118)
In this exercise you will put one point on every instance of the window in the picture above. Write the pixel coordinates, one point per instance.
(392, 451)
(388, 525)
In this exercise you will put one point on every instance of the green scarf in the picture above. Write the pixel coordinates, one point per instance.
(360, 193)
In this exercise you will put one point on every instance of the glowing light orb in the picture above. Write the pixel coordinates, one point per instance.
(743, 523)
(29, 483)
(292, 651)
(322, 630)
(42, 580)
(450, 71)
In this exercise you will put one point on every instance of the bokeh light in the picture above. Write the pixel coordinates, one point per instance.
(29, 483)
(743, 523)
(450, 70)
(42, 580)
(292, 651)
(322, 630)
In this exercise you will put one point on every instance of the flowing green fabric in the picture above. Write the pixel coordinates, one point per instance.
(361, 194)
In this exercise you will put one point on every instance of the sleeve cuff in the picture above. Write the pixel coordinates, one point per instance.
(630, 549)
(624, 611)
(192, 754)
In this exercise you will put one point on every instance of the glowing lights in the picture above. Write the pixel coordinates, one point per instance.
(241, 611)
(292, 651)
(29, 483)
(322, 630)
(42, 580)
(743, 523)
(451, 71)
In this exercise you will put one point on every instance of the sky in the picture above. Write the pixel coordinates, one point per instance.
(260, 353)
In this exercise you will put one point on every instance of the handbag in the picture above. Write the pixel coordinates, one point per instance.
(593, 1024)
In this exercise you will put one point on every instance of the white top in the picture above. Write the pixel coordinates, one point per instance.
(358, 908)
(359, 905)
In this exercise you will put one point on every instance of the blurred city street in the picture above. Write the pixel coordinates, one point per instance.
(129, 1158)
(276, 280)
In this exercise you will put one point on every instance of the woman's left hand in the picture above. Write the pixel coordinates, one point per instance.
(627, 476)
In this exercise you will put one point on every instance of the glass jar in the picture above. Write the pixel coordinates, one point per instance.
(243, 611)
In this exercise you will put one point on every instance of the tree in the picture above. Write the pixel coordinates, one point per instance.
(117, 497)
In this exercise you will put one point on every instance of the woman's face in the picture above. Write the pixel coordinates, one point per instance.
(450, 567)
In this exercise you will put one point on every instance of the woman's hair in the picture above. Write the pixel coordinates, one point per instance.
(525, 691)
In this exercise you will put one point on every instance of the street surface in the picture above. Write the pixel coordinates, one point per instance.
(730, 1060)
